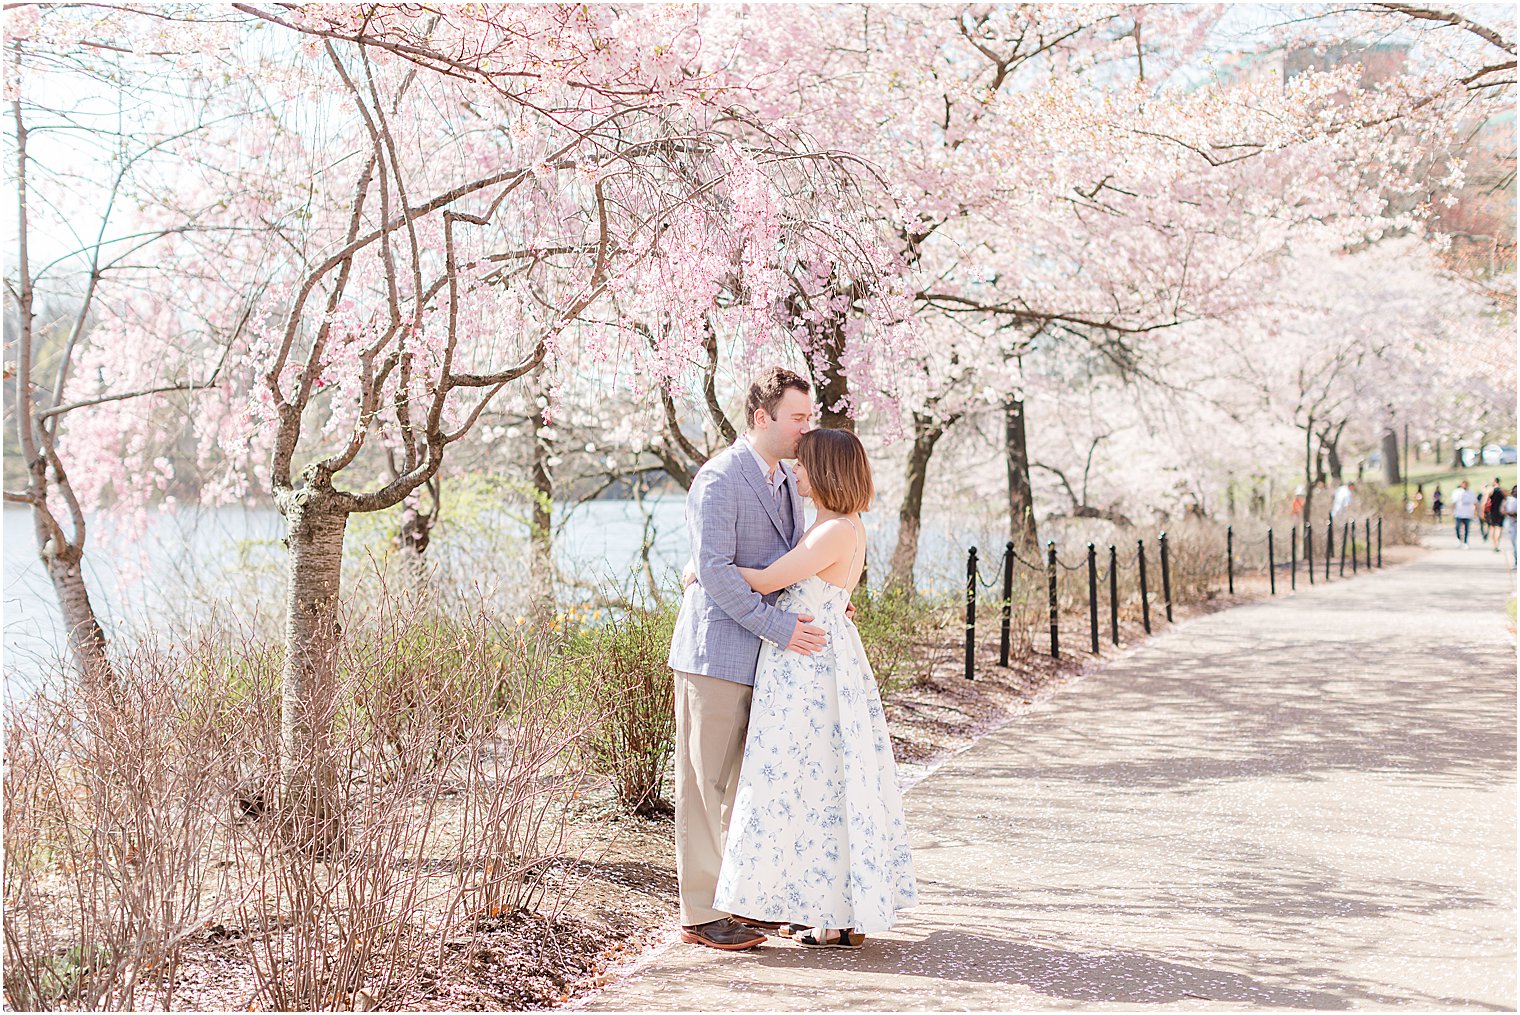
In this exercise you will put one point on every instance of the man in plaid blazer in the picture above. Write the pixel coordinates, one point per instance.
(743, 510)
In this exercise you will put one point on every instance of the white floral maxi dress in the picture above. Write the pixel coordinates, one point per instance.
(817, 835)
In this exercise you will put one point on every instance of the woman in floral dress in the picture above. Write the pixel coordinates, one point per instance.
(817, 840)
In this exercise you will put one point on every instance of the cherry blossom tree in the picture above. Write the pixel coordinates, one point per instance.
(508, 170)
(124, 296)
(1171, 203)
(431, 207)
(1056, 191)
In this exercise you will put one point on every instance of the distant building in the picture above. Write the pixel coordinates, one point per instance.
(1380, 62)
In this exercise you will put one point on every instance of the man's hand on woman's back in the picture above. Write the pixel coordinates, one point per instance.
(806, 638)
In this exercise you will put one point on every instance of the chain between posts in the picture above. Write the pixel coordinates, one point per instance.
(1053, 565)
(996, 575)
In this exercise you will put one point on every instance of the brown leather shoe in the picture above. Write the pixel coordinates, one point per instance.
(723, 933)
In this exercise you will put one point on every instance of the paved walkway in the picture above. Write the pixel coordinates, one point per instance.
(1303, 803)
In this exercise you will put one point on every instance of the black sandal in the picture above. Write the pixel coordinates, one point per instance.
(823, 937)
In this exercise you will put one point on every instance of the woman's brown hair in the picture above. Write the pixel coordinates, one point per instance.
(838, 470)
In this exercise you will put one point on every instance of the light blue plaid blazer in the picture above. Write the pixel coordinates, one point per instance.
(733, 522)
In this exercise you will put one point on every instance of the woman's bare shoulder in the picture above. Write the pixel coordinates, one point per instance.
(832, 530)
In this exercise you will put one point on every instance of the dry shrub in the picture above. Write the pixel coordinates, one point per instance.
(625, 689)
(1402, 529)
(1196, 560)
(422, 673)
(446, 794)
(113, 795)
(1028, 610)
(516, 778)
(140, 814)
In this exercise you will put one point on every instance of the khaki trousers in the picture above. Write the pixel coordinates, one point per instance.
(712, 718)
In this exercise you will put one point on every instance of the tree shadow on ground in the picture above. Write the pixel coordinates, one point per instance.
(1240, 696)
(945, 958)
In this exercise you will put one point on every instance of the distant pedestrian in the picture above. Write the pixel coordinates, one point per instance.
(1298, 501)
(1437, 505)
(1509, 525)
(1464, 505)
(1482, 511)
(1493, 513)
(1416, 505)
(1343, 495)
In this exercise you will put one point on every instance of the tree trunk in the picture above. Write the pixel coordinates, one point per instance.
(308, 694)
(926, 433)
(541, 534)
(35, 437)
(830, 383)
(415, 533)
(412, 543)
(1333, 456)
(1308, 511)
(86, 638)
(1391, 472)
(646, 543)
(1021, 526)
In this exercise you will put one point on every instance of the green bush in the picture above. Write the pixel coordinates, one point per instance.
(889, 621)
(623, 683)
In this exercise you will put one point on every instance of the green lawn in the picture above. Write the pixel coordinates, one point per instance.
(1441, 474)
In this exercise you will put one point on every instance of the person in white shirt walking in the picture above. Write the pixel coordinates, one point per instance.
(1342, 499)
(1464, 505)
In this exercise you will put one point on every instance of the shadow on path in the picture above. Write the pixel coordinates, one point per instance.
(1303, 803)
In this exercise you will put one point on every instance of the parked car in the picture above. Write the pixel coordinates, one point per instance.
(1493, 454)
(1507, 455)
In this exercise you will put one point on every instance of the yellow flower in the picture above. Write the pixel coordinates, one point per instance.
(521, 620)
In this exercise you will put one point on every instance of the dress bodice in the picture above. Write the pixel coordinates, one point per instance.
(824, 600)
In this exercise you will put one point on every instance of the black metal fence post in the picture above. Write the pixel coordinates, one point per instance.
(1380, 540)
(1055, 630)
(1145, 601)
(1007, 605)
(1293, 554)
(1309, 551)
(1113, 592)
(1353, 548)
(1166, 577)
(1329, 545)
(971, 614)
(1271, 565)
(1092, 593)
(1367, 529)
(1229, 556)
(1342, 572)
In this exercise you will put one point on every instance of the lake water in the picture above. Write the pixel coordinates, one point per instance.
(186, 564)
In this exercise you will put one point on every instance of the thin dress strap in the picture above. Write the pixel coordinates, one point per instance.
(857, 535)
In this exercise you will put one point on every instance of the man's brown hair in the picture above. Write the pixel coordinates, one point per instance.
(837, 470)
(766, 391)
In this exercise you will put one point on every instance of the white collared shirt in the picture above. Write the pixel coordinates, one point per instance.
(776, 476)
